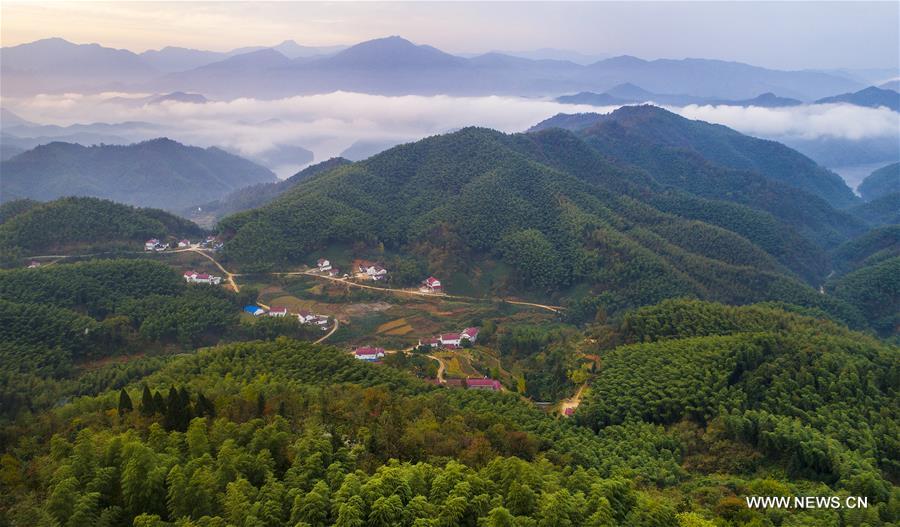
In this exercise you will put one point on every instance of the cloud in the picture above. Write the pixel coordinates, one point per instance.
(329, 123)
(841, 121)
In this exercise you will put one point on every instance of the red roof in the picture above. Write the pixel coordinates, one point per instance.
(432, 280)
(368, 350)
(479, 383)
(203, 276)
(450, 336)
(278, 309)
(190, 273)
(569, 411)
(470, 332)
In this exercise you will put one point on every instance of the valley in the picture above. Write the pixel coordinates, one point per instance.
(604, 278)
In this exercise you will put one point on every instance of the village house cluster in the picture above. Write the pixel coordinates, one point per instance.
(451, 340)
(154, 244)
(306, 317)
(324, 267)
(193, 277)
(371, 271)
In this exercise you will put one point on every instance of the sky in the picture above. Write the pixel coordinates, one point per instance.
(782, 35)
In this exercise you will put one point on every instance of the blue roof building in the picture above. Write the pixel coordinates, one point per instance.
(254, 310)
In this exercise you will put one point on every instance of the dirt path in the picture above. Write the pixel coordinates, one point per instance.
(441, 368)
(572, 402)
(413, 292)
(337, 324)
(228, 276)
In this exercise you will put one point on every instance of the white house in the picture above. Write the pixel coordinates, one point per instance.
(323, 265)
(151, 244)
(321, 321)
(184, 244)
(194, 277)
(376, 272)
(305, 317)
(470, 334)
(368, 353)
(450, 340)
(278, 311)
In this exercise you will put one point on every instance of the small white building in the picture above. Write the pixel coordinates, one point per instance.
(450, 340)
(151, 244)
(183, 244)
(368, 353)
(323, 265)
(193, 277)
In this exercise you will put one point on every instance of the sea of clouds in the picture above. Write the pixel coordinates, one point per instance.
(329, 123)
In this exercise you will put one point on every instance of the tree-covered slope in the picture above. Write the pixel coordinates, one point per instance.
(258, 195)
(476, 195)
(804, 393)
(874, 290)
(160, 173)
(85, 222)
(623, 133)
(285, 433)
(880, 183)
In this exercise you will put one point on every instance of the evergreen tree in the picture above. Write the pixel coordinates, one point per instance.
(125, 405)
(148, 404)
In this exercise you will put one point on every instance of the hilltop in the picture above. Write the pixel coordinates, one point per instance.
(29, 227)
(159, 173)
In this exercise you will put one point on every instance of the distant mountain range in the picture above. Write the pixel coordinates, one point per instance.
(871, 97)
(390, 66)
(630, 94)
(158, 173)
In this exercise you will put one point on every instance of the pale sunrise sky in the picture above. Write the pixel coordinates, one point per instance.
(794, 35)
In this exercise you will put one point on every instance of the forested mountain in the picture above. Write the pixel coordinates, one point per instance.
(459, 201)
(675, 431)
(628, 132)
(880, 211)
(160, 173)
(258, 195)
(29, 227)
(872, 97)
(880, 183)
(736, 373)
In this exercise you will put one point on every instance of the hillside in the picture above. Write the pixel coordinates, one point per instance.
(258, 195)
(160, 173)
(880, 183)
(464, 201)
(285, 433)
(874, 290)
(88, 223)
(626, 132)
(733, 375)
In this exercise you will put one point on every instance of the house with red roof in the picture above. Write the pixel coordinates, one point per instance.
(151, 244)
(431, 285)
(278, 311)
(568, 412)
(323, 265)
(184, 244)
(470, 334)
(368, 353)
(194, 277)
(483, 384)
(450, 340)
